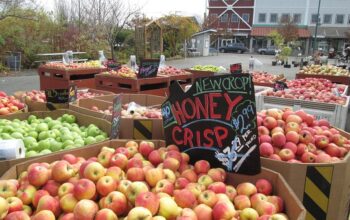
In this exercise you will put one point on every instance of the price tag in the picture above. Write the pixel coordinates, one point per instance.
(236, 68)
(215, 120)
(65, 95)
(148, 68)
(116, 116)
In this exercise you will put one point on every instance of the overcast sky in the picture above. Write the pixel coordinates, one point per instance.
(157, 8)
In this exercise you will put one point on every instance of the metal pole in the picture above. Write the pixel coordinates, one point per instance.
(317, 23)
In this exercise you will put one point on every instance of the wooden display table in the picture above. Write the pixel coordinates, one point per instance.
(154, 86)
(52, 78)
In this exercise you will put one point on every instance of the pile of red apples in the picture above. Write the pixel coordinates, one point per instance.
(140, 112)
(124, 72)
(297, 137)
(315, 84)
(39, 96)
(134, 182)
(172, 71)
(264, 77)
(308, 94)
(9, 104)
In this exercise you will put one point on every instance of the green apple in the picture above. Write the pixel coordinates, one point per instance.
(47, 119)
(31, 153)
(43, 135)
(45, 151)
(31, 118)
(67, 143)
(53, 123)
(90, 140)
(44, 144)
(33, 134)
(100, 138)
(29, 141)
(6, 136)
(42, 127)
(93, 131)
(56, 146)
(69, 147)
(67, 136)
(68, 118)
(17, 135)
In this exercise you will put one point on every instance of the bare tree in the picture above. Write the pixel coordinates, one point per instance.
(10, 8)
(288, 30)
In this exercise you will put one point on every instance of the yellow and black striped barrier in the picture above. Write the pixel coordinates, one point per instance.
(143, 129)
(317, 191)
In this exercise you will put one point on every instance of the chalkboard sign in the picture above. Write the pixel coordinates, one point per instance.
(236, 68)
(61, 95)
(215, 120)
(148, 68)
(280, 86)
(116, 116)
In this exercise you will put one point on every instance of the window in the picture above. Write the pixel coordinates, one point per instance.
(285, 18)
(349, 19)
(339, 19)
(224, 18)
(234, 18)
(327, 19)
(273, 18)
(314, 18)
(245, 17)
(262, 18)
(297, 18)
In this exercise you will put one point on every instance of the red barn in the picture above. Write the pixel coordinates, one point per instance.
(232, 19)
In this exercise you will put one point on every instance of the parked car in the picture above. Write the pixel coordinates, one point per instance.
(236, 47)
(268, 50)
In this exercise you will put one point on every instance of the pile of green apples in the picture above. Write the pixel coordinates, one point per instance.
(44, 136)
(210, 68)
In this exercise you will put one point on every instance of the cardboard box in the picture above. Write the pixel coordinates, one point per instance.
(293, 207)
(43, 106)
(82, 119)
(324, 189)
(130, 128)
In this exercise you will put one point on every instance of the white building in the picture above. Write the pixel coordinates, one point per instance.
(334, 21)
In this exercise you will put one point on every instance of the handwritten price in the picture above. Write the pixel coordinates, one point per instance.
(246, 115)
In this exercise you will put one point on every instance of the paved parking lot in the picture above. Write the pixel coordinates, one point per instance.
(28, 80)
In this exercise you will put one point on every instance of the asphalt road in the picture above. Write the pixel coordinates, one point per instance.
(28, 80)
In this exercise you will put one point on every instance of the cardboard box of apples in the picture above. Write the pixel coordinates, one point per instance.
(136, 108)
(122, 179)
(36, 99)
(11, 104)
(46, 132)
(312, 156)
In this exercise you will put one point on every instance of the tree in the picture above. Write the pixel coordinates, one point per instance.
(277, 39)
(176, 29)
(11, 8)
(288, 30)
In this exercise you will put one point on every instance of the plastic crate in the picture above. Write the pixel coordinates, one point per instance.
(334, 113)
(154, 86)
(57, 78)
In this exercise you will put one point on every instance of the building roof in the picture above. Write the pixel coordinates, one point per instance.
(204, 32)
(330, 32)
(265, 31)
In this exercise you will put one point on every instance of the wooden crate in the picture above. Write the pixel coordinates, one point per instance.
(154, 86)
(51, 78)
(199, 74)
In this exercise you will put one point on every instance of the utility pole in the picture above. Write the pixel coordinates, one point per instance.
(317, 24)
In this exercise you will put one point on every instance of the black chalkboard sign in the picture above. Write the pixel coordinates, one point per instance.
(280, 86)
(215, 120)
(61, 95)
(236, 68)
(116, 116)
(148, 68)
